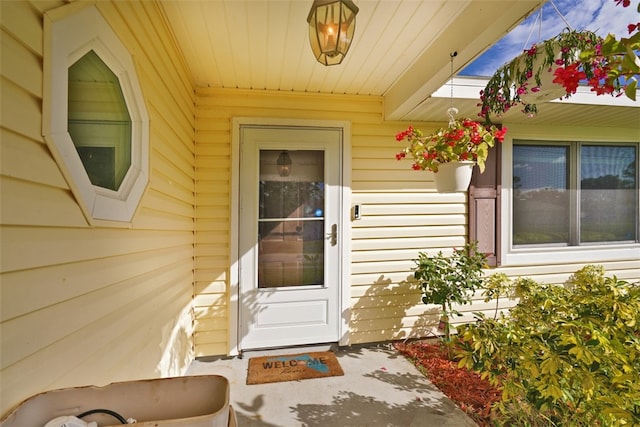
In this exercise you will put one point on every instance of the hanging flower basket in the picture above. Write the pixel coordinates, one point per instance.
(539, 87)
(461, 141)
(454, 176)
(548, 70)
(609, 66)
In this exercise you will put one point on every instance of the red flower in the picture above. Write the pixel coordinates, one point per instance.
(569, 77)
(500, 134)
(633, 27)
(461, 140)
(602, 89)
(405, 133)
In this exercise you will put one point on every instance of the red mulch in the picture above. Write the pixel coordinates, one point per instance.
(471, 393)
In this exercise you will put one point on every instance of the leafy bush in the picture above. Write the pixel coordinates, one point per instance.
(447, 280)
(564, 356)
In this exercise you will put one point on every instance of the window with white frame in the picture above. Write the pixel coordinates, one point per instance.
(94, 116)
(574, 194)
(99, 122)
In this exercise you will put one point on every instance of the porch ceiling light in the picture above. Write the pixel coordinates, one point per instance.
(284, 164)
(331, 27)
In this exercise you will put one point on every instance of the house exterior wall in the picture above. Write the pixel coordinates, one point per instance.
(401, 215)
(556, 265)
(85, 304)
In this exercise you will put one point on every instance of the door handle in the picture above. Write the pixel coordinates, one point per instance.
(333, 236)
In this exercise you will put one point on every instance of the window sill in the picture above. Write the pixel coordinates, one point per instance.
(570, 254)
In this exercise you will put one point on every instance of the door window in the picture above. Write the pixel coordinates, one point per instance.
(291, 220)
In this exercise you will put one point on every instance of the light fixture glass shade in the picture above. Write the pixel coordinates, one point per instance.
(331, 27)
(284, 164)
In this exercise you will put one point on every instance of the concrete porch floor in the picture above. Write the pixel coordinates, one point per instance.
(379, 388)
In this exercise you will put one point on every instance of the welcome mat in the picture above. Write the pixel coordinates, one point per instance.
(293, 367)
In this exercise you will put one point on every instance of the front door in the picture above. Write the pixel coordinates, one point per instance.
(290, 196)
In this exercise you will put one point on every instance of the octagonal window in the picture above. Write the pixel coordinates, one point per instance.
(94, 117)
(99, 122)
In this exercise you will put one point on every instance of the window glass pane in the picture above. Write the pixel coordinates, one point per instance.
(608, 193)
(291, 220)
(98, 121)
(541, 194)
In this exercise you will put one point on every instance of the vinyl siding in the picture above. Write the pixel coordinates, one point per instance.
(400, 210)
(402, 214)
(87, 304)
(91, 305)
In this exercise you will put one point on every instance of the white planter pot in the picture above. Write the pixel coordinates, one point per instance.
(190, 401)
(454, 176)
(548, 89)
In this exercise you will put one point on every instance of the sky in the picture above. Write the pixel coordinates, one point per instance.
(600, 16)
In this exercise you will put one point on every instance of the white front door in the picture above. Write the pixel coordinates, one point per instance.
(289, 276)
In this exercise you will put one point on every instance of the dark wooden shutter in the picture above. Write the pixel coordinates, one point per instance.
(484, 206)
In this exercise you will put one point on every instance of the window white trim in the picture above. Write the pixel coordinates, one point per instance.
(70, 32)
(556, 255)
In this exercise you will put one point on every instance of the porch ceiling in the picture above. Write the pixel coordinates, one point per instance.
(400, 49)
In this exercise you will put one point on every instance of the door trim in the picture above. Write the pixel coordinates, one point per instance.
(344, 241)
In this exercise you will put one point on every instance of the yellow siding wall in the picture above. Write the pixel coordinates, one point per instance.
(92, 305)
(401, 211)
(401, 215)
(81, 304)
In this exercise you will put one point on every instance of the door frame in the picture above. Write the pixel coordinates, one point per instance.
(344, 241)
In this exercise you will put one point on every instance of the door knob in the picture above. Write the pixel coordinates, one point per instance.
(333, 236)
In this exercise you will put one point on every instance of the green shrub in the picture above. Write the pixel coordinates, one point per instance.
(447, 280)
(564, 356)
